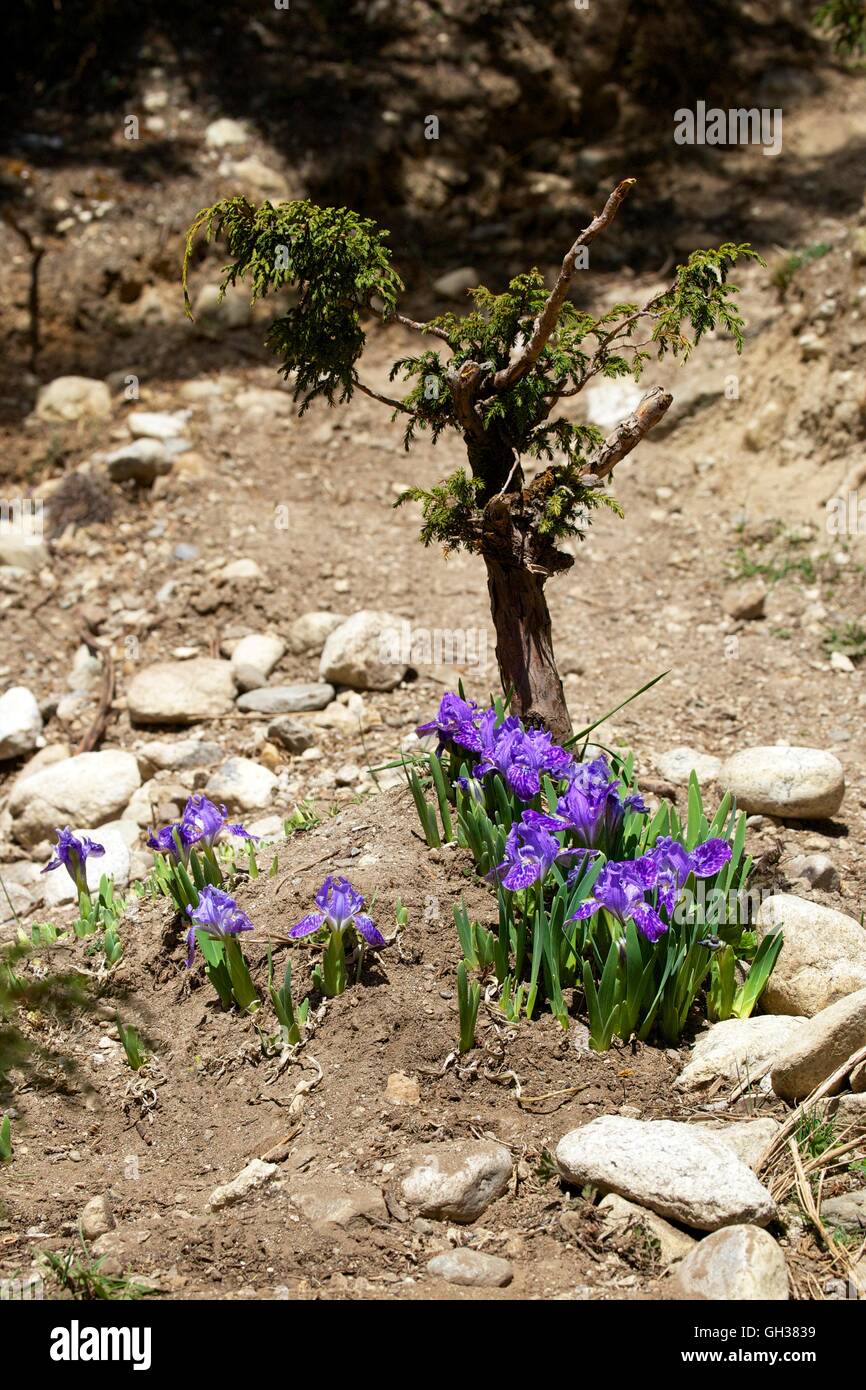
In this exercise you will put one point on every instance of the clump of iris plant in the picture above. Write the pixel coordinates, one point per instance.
(186, 858)
(340, 914)
(216, 922)
(595, 894)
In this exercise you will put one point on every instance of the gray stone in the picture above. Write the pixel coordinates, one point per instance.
(96, 1218)
(817, 869)
(141, 461)
(827, 1040)
(20, 722)
(338, 1202)
(626, 1220)
(255, 1175)
(244, 785)
(737, 1049)
(678, 764)
(739, 1263)
(165, 755)
(797, 783)
(471, 1268)
(848, 1210)
(850, 1112)
(310, 632)
(69, 398)
(457, 1181)
(677, 1171)
(286, 699)
(181, 692)
(89, 789)
(823, 957)
(366, 652)
(290, 734)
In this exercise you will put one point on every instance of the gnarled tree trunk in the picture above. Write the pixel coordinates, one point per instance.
(519, 562)
(524, 646)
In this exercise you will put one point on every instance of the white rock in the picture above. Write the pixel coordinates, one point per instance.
(622, 1218)
(69, 398)
(240, 571)
(746, 1138)
(367, 652)
(59, 887)
(457, 1181)
(23, 548)
(86, 673)
(181, 692)
(828, 1040)
(89, 789)
(840, 662)
(157, 424)
(140, 461)
(823, 957)
(454, 283)
(96, 1218)
(252, 176)
(20, 722)
(610, 401)
(254, 658)
(212, 313)
(242, 784)
(741, 1262)
(798, 783)
(310, 632)
(471, 1269)
(675, 1170)
(224, 132)
(255, 1175)
(737, 1049)
(678, 764)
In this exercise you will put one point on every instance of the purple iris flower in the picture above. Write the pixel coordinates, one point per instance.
(674, 863)
(340, 907)
(454, 723)
(496, 743)
(202, 823)
(592, 807)
(216, 914)
(71, 854)
(530, 851)
(533, 754)
(621, 889)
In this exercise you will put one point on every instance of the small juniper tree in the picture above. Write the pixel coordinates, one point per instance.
(494, 374)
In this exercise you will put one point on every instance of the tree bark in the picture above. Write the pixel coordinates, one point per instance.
(524, 646)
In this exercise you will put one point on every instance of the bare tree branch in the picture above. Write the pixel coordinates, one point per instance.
(386, 400)
(629, 433)
(546, 321)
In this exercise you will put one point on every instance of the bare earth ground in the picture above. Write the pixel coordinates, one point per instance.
(725, 489)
